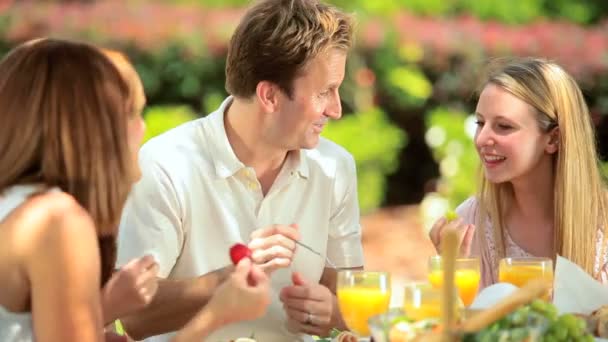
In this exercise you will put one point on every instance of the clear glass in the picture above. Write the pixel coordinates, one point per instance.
(519, 271)
(467, 276)
(423, 301)
(361, 295)
(380, 325)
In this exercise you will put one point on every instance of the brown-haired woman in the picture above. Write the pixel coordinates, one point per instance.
(66, 168)
(70, 130)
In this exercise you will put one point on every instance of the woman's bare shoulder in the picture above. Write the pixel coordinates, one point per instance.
(49, 217)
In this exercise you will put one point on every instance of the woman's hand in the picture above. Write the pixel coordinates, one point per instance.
(465, 234)
(130, 289)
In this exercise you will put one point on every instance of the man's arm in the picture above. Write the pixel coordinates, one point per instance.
(175, 303)
(329, 279)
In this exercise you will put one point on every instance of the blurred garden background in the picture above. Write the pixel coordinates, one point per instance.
(407, 98)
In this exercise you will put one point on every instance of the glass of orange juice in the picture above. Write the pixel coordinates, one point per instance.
(362, 294)
(423, 301)
(467, 276)
(519, 271)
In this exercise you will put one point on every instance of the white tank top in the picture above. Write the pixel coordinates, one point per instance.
(15, 327)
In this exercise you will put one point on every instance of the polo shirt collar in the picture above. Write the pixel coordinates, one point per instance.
(225, 160)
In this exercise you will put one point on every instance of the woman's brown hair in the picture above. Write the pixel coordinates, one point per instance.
(64, 109)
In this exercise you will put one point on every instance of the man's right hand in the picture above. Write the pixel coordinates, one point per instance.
(465, 234)
(273, 247)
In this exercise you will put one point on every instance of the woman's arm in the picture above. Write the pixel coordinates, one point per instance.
(63, 267)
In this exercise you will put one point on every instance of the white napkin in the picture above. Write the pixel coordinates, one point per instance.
(575, 291)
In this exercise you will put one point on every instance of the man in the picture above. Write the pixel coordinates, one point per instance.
(255, 171)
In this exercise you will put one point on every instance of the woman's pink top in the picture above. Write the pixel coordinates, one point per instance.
(489, 275)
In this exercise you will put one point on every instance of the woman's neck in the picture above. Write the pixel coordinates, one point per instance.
(533, 196)
(530, 218)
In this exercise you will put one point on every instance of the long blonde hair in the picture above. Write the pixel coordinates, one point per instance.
(64, 109)
(580, 201)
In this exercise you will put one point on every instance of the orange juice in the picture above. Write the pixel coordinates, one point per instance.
(519, 271)
(519, 275)
(423, 301)
(467, 282)
(358, 304)
(424, 311)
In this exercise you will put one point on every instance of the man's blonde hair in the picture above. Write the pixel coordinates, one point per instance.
(277, 38)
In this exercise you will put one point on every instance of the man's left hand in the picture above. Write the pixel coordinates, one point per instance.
(310, 307)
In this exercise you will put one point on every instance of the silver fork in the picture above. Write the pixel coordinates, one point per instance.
(317, 253)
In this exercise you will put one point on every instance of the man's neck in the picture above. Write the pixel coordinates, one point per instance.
(243, 122)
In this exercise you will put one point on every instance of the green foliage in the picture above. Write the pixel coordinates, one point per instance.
(412, 83)
(428, 7)
(604, 169)
(454, 151)
(511, 12)
(213, 3)
(399, 75)
(160, 119)
(577, 11)
(180, 74)
(375, 144)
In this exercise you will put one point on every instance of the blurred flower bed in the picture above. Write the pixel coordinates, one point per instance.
(409, 89)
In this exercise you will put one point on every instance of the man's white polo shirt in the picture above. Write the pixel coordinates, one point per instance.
(196, 199)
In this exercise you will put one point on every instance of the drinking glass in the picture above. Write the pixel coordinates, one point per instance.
(519, 271)
(423, 301)
(361, 295)
(467, 276)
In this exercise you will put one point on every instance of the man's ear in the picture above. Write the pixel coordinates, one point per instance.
(553, 145)
(267, 94)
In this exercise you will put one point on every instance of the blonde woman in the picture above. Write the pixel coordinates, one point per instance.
(541, 191)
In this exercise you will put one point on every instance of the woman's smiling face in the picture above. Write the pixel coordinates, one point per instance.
(508, 139)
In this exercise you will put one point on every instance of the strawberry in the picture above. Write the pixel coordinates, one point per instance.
(239, 251)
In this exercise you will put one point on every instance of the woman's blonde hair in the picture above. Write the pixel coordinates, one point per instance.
(579, 190)
(64, 109)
